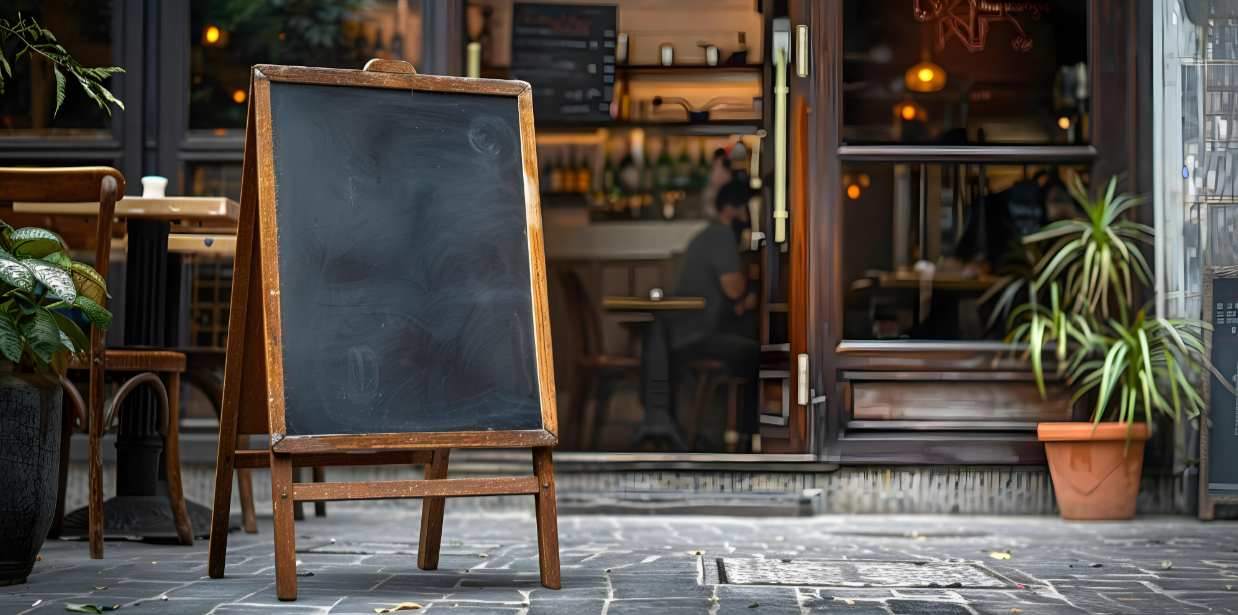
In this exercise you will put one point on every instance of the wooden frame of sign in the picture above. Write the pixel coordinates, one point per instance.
(253, 398)
(1208, 501)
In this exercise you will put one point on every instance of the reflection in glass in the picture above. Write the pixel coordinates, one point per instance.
(924, 243)
(934, 72)
(227, 37)
(84, 29)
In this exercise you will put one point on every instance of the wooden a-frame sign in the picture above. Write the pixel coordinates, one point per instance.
(253, 396)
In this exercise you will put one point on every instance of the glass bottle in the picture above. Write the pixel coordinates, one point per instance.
(665, 167)
(556, 176)
(608, 173)
(584, 175)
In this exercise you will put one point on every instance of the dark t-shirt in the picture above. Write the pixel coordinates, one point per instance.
(712, 254)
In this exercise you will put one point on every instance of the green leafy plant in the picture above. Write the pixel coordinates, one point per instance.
(37, 39)
(37, 277)
(1132, 364)
(1096, 255)
(1144, 362)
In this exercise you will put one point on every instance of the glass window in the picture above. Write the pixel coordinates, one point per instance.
(28, 105)
(213, 179)
(930, 72)
(227, 37)
(925, 242)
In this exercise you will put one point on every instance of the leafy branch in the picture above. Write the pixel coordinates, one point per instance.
(36, 39)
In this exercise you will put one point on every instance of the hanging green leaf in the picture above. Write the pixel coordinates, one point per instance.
(55, 279)
(89, 272)
(59, 89)
(31, 242)
(98, 316)
(89, 283)
(15, 273)
(35, 39)
(75, 333)
(42, 335)
(24, 302)
(59, 258)
(10, 339)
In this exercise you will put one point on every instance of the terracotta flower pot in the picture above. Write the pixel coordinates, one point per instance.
(1092, 478)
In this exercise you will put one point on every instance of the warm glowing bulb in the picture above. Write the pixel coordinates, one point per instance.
(1063, 122)
(925, 74)
(239, 96)
(864, 180)
(853, 191)
(909, 112)
(212, 34)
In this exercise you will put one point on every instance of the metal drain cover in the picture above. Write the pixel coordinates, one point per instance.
(857, 573)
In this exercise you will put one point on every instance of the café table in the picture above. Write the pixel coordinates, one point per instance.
(657, 394)
(149, 320)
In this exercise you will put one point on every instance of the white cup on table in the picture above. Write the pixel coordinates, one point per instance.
(154, 187)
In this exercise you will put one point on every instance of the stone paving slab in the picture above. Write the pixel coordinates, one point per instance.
(650, 564)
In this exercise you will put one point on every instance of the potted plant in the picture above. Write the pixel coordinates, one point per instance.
(1130, 362)
(38, 282)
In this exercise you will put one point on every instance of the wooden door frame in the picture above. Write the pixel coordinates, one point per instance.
(1110, 152)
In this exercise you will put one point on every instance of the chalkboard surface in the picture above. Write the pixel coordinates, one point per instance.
(1222, 407)
(404, 269)
(567, 53)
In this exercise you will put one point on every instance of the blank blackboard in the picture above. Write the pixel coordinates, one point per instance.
(405, 287)
(1222, 406)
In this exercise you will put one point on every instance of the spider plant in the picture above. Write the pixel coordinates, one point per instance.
(36, 278)
(1017, 275)
(1097, 254)
(1146, 362)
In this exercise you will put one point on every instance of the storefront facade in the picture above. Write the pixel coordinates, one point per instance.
(904, 121)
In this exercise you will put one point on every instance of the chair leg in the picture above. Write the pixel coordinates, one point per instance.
(431, 537)
(732, 415)
(66, 438)
(245, 486)
(184, 530)
(95, 465)
(698, 402)
(589, 410)
(320, 476)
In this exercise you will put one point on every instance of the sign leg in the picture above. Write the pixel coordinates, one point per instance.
(285, 527)
(547, 517)
(432, 515)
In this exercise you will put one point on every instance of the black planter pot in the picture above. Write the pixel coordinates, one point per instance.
(30, 421)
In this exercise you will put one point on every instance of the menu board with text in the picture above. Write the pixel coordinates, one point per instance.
(1223, 407)
(567, 53)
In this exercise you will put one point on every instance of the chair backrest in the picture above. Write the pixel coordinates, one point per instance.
(582, 320)
(69, 185)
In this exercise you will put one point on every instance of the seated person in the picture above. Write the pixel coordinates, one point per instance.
(712, 269)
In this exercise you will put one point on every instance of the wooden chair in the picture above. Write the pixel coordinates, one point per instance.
(75, 185)
(709, 376)
(594, 371)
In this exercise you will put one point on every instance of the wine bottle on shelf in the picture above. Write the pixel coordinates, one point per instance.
(556, 175)
(702, 167)
(608, 173)
(584, 175)
(647, 176)
(684, 169)
(379, 50)
(665, 167)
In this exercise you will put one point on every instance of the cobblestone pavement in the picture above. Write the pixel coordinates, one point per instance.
(664, 564)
